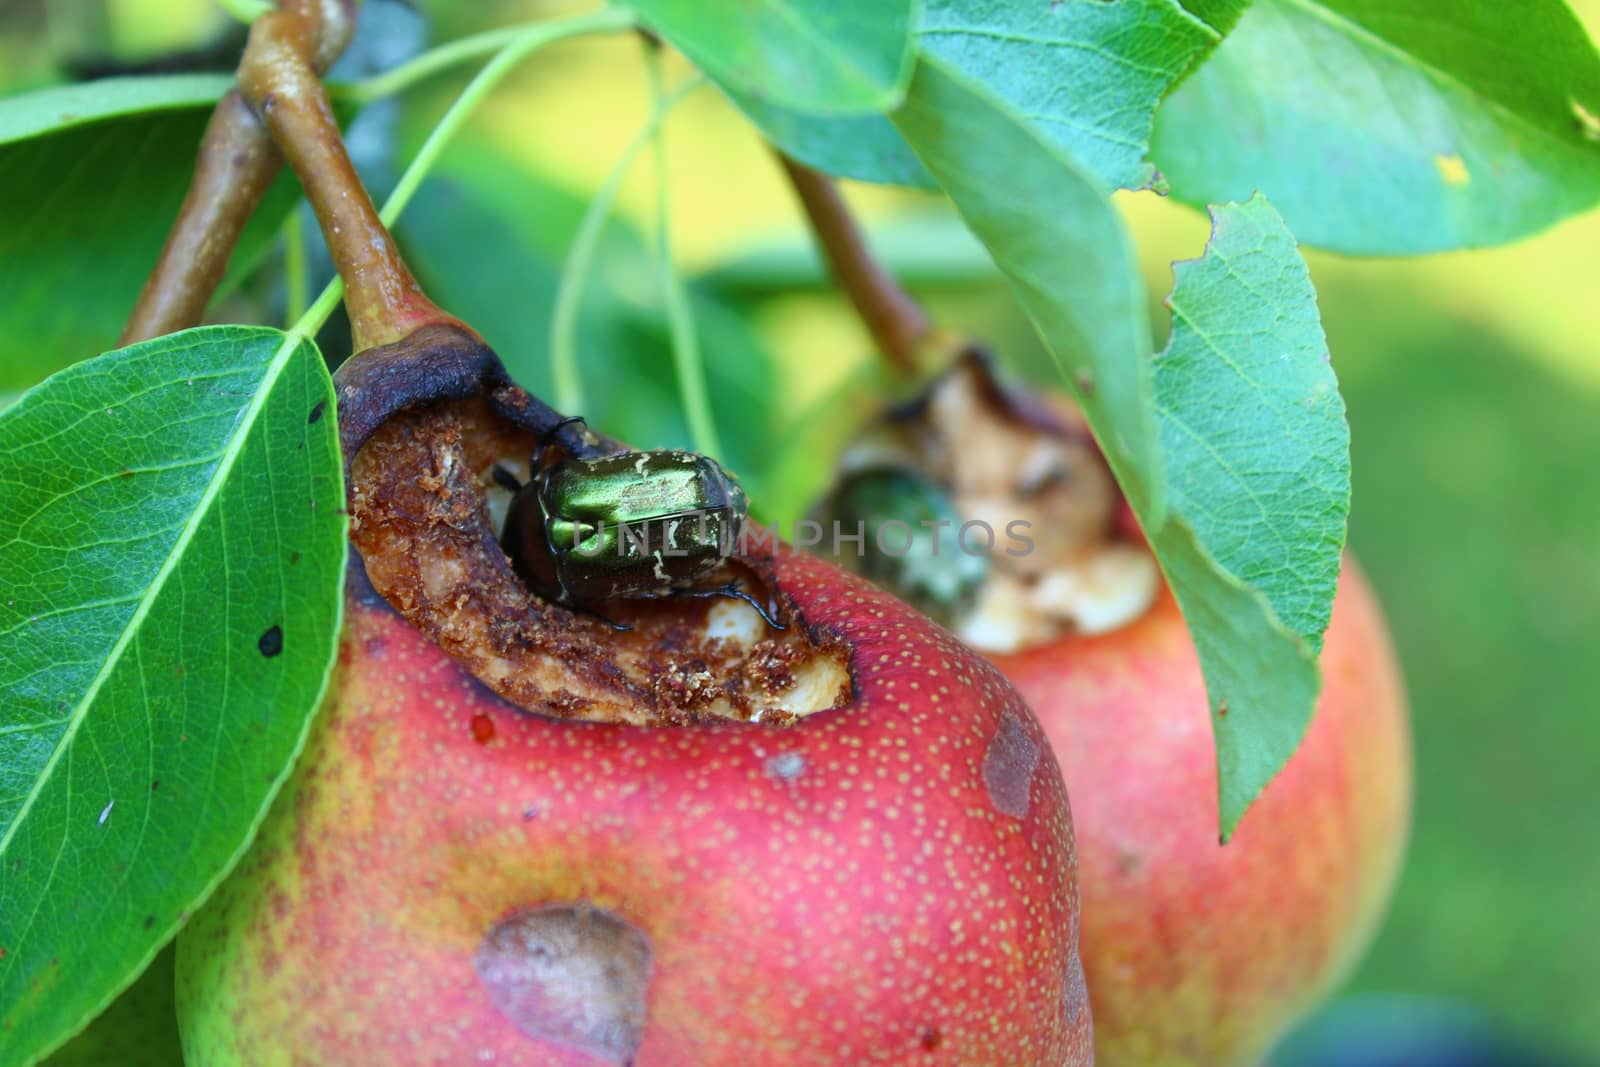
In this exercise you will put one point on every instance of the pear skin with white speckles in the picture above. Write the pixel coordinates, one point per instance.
(451, 880)
(1200, 954)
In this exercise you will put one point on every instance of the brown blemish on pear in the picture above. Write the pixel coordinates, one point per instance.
(571, 975)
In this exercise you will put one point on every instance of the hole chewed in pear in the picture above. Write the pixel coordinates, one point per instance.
(423, 519)
(1033, 505)
(571, 974)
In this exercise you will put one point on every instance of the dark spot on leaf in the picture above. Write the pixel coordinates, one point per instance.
(149, 921)
(271, 642)
(125, 472)
(316, 412)
(1222, 710)
(155, 784)
(569, 974)
(294, 557)
(482, 728)
(180, 670)
(930, 1038)
(1008, 766)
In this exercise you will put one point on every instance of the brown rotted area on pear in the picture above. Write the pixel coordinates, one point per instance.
(1023, 461)
(425, 512)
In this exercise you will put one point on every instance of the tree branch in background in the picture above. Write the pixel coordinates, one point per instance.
(898, 324)
(236, 163)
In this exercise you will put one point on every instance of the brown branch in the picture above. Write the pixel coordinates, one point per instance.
(235, 165)
(898, 324)
(278, 77)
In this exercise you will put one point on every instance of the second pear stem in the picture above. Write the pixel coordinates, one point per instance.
(898, 324)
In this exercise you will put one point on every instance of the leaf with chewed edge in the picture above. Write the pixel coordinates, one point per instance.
(1231, 446)
(1257, 450)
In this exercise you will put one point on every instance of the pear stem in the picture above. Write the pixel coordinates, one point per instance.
(898, 324)
(278, 77)
(235, 165)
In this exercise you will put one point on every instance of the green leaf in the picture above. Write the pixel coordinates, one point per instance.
(1262, 682)
(172, 538)
(140, 1029)
(483, 199)
(1054, 234)
(815, 56)
(62, 107)
(868, 148)
(1393, 127)
(1220, 15)
(1248, 449)
(1088, 74)
(98, 200)
(1252, 425)
(1258, 460)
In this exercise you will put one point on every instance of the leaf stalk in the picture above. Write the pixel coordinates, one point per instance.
(898, 324)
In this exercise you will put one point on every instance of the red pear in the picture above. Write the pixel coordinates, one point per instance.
(839, 843)
(1199, 953)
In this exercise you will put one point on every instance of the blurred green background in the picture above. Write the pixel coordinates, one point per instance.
(1472, 379)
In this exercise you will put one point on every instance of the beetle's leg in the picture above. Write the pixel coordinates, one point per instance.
(550, 434)
(505, 479)
(760, 581)
(733, 592)
(620, 627)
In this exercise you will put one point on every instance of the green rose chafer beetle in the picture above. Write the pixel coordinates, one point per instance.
(630, 525)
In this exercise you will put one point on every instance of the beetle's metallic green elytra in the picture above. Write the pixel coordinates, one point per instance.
(637, 524)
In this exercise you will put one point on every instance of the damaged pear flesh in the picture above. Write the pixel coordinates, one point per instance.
(1022, 464)
(423, 517)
